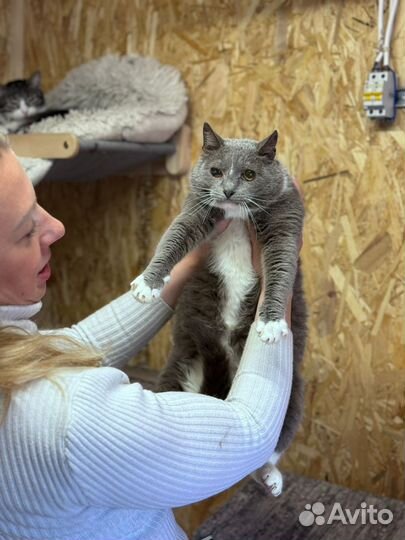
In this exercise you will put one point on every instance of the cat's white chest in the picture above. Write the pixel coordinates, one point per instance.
(231, 259)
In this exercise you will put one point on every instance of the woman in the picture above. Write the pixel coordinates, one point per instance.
(85, 454)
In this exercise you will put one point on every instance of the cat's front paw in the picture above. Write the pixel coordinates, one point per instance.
(143, 293)
(272, 331)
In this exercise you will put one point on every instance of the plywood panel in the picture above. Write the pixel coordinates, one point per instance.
(251, 67)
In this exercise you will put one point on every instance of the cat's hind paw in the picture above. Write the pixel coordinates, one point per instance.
(142, 292)
(270, 478)
(272, 331)
(274, 482)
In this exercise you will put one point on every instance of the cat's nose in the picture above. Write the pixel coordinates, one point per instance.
(228, 193)
(23, 107)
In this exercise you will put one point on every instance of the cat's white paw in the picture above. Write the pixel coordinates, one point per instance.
(274, 481)
(142, 292)
(270, 478)
(272, 331)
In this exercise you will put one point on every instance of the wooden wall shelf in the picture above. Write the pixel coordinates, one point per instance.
(76, 159)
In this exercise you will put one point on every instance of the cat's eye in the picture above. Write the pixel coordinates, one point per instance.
(249, 175)
(216, 173)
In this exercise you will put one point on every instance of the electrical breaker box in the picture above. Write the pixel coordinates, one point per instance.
(380, 94)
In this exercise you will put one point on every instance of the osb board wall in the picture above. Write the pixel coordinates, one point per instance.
(252, 66)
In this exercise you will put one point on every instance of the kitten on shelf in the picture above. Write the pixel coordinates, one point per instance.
(22, 102)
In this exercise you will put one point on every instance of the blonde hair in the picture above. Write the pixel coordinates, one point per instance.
(26, 357)
(4, 144)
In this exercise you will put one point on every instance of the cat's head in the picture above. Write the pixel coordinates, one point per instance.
(22, 98)
(238, 175)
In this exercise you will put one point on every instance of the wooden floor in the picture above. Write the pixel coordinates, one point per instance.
(251, 515)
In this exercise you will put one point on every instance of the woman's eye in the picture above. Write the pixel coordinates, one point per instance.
(249, 175)
(32, 231)
(216, 173)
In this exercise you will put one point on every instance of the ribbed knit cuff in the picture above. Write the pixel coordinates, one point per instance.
(259, 357)
(131, 326)
(263, 381)
(121, 328)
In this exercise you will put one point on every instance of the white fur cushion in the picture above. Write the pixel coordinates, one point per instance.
(129, 98)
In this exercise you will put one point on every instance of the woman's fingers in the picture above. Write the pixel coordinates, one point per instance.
(220, 227)
(299, 188)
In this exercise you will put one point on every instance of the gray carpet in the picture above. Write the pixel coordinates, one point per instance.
(251, 515)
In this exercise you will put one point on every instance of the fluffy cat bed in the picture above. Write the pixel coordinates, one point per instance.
(129, 98)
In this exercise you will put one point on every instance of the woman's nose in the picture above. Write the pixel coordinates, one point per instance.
(54, 230)
(58, 229)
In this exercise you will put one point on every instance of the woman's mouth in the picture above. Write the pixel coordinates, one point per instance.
(45, 273)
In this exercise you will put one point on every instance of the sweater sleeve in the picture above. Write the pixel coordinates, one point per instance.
(129, 447)
(121, 328)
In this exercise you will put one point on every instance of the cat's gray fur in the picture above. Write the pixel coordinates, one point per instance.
(207, 347)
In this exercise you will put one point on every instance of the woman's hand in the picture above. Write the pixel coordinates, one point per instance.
(186, 268)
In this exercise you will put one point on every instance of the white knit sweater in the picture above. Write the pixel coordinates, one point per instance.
(110, 460)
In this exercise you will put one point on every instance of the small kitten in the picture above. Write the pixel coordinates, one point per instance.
(22, 102)
(238, 179)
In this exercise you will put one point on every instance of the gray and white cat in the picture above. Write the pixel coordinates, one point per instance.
(238, 179)
(22, 102)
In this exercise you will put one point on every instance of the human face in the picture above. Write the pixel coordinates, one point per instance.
(26, 233)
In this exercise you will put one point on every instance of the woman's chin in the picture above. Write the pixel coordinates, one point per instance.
(39, 293)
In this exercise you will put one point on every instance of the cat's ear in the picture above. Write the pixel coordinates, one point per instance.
(212, 141)
(267, 147)
(35, 79)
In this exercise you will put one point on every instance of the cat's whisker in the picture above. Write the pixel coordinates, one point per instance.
(244, 210)
(249, 213)
(204, 198)
(205, 192)
(261, 199)
(197, 209)
(258, 205)
(201, 205)
(207, 214)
